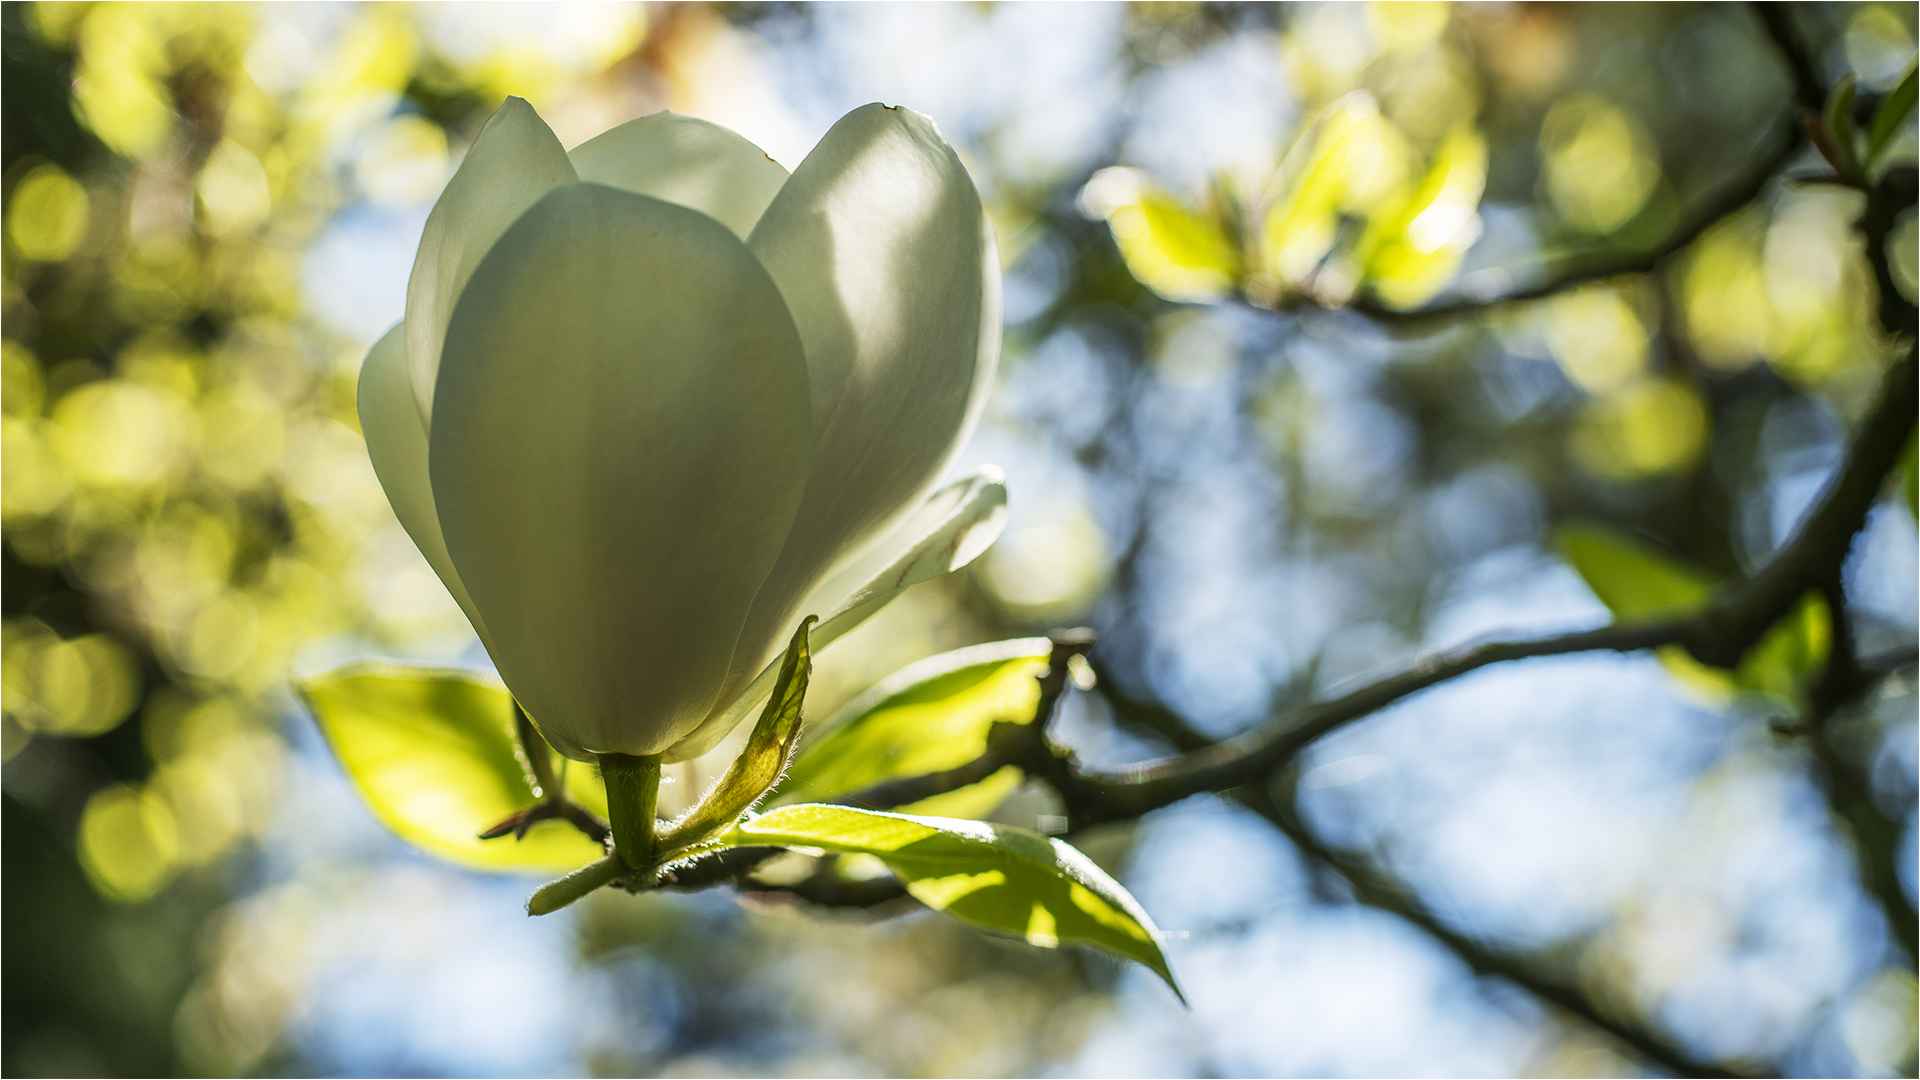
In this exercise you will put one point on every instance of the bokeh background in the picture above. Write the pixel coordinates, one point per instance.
(211, 212)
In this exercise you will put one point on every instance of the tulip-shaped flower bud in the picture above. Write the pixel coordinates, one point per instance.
(655, 400)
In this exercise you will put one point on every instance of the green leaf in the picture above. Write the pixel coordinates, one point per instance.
(1892, 113)
(1003, 879)
(1182, 254)
(926, 718)
(1410, 254)
(1637, 581)
(1348, 157)
(1840, 124)
(432, 753)
(767, 752)
(1792, 654)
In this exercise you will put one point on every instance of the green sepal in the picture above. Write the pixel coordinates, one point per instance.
(997, 877)
(760, 765)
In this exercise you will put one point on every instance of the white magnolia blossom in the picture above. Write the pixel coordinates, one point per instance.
(655, 400)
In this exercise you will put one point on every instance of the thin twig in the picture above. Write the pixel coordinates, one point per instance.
(1106, 796)
(1376, 888)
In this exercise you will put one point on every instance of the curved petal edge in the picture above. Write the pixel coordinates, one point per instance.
(951, 529)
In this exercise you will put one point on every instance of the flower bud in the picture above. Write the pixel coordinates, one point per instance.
(655, 400)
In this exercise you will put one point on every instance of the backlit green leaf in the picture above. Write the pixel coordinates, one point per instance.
(1410, 254)
(1350, 161)
(926, 718)
(432, 753)
(1787, 660)
(1840, 125)
(1893, 112)
(1001, 878)
(1637, 581)
(1172, 249)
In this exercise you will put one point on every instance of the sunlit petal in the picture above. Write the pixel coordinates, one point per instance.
(688, 161)
(886, 260)
(948, 531)
(624, 407)
(514, 162)
(398, 446)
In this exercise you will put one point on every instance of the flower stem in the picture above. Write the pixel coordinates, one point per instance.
(633, 792)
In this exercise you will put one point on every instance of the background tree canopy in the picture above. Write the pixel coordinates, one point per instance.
(1341, 341)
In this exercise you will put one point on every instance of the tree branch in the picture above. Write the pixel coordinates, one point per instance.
(1723, 203)
(1379, 889)
(1106, 796)
(1777, 19)
(1738, 617)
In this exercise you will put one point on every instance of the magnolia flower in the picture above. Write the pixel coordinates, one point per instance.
(655, 401)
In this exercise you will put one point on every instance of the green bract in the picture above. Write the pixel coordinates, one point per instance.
(654, 400)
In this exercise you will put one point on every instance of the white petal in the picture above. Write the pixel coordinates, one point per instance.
(886, 260)
(686, 161)
(618, 449)
(514, 162)
(947, 532)
(397, 444)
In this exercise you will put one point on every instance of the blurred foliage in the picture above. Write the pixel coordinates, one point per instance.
(1638, 582)
(188, 510)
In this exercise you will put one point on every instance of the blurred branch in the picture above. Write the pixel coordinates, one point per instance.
(1777, 20)
(1379, 889)
(1847, 782)
(1724, 203)
(1737, 618)
(1243, 759)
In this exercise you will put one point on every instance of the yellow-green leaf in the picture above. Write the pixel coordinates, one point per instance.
(1639, 582)
(1175, 251)
(1636, 580)
(432, 753)
(994, 876)
(1791, 655)
(1409, 255)
(1892, 113)
(926, 718)
(1350, 160)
